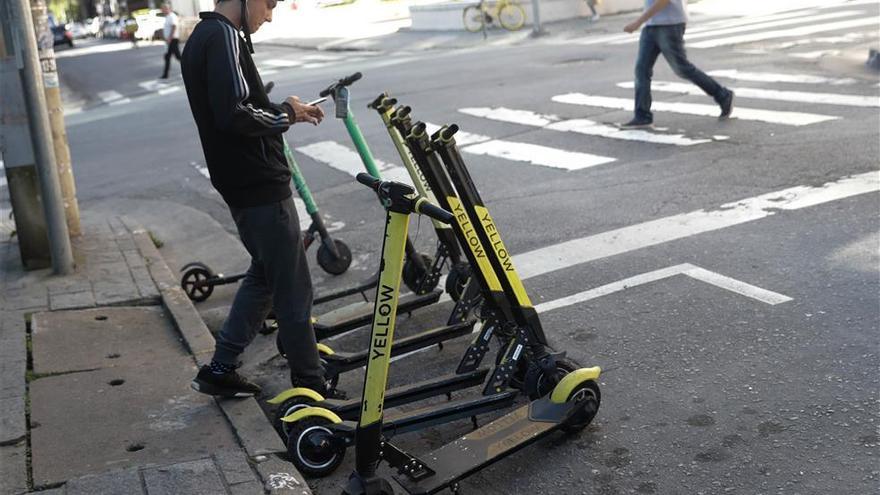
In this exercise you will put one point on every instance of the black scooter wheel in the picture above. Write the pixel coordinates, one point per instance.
(312, 448)
(587, 398)
(457, 279)
(287, 408)
(537, 384)
(412, 275)
(331, 264)
(193, 285)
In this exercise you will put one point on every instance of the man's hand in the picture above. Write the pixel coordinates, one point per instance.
(305, 113)
(633, 26)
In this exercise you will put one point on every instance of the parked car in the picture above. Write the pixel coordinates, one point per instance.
(60, 34)
(149, 23)
(78, 30)
(93, 26)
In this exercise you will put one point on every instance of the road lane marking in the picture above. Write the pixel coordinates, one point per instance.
(780, 78)
(706, 33)
(741, 113)
(651, 233)
(716, 279)
(347, 160)
(767, 94)
(798, 32)
(113, 98)
(537, 154)
(580, 126)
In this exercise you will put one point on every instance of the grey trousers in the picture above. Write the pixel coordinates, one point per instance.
(278, 279)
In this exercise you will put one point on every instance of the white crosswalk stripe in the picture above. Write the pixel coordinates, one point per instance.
(768, 94)
(781, 78)
(741, 113)
(785, 33)
(581, 126)
(709, 33)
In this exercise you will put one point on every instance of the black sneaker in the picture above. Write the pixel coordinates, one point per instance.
(223, 384)
(637, 123)
(726, 105)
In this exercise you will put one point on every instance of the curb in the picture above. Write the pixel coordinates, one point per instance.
(250, 425)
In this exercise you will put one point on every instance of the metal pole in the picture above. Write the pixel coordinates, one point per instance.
(51, 86)
(536, 15)
(41, 136)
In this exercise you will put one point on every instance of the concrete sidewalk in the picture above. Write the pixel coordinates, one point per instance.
(94, 382)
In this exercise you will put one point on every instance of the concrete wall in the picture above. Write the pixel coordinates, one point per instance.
(447, 16)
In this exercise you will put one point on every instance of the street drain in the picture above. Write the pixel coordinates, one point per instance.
(134, 447)
(101, 318)
(116, 382)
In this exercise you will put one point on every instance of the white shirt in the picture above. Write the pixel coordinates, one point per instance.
(170, 23)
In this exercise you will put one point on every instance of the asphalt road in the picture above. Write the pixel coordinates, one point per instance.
(749, 366)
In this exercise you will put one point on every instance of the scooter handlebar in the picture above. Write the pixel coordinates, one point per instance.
(421, 206)
(368, 180)
(426, 208)
(345, 81)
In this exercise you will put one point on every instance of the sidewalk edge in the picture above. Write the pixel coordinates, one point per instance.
(248, 422)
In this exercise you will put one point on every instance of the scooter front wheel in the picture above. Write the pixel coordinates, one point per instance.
(334, 265)
(413, 276)
(587, 398)
(537, 384)
(457, 279)
(312, 448)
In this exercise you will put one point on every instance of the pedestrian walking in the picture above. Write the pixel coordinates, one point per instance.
(241, 135)
(665, 22)
(591, 4)
(131, 28)
(172, 38)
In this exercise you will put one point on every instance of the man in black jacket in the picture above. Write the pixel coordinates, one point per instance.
(241, 134)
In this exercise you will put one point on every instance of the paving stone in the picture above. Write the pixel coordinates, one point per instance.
(251, 426)
(34, 296)
(63, 285)
(281, 478)
(114, 293)
(72, 300)
(126, 416)
(186, 478)
(13, 468)
(144, 282)
(12, 376)
(252, 488)
(53, 491)
(234, 466)
(133, 257)
(12, 419)
(126, 481)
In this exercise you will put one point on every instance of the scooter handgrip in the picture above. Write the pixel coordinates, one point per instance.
(426, 208)
(368, 180)
(350, 79)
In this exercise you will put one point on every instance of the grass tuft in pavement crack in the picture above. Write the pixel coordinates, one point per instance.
(156, 241)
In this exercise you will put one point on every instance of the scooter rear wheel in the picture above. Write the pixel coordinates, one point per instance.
(587, 398)
(312, 449)
(334, 265)
(287, 408)
(192, 282)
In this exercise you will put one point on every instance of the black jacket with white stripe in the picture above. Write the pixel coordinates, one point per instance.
(239, 127)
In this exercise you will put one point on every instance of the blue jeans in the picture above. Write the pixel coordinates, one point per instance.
(668, 40)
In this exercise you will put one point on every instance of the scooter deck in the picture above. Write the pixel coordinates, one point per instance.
(347, 361)
(406, 394)
(486, 445)
(357, 315)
